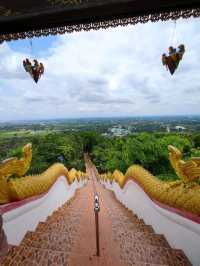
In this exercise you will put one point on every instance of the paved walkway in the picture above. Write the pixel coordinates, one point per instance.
(84, 250)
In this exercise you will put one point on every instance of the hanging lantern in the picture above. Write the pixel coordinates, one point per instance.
(172, 60)
(36, 70)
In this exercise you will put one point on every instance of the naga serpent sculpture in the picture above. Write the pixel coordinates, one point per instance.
(15, 166)
(186, 171)
(183, 194)
(22, 187)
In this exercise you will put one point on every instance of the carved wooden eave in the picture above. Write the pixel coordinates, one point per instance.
(21, 19)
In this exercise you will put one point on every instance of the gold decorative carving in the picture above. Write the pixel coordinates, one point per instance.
(28, 186)
(17, 167)
(73, 174)
(80, 175)
(118, 177)
(174, 15)
(187, 171)
(23, 187)
(175, 194)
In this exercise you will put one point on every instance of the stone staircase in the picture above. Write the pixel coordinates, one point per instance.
(54, 241)
(139, 244)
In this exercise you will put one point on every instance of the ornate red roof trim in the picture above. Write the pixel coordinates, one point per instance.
(90, 15)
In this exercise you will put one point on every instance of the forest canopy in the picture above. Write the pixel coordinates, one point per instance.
(146, 149)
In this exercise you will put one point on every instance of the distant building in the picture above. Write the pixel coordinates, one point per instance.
(180, 128)
(105, 134)
(119, 131)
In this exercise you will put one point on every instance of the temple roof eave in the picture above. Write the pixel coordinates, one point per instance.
(91, 17)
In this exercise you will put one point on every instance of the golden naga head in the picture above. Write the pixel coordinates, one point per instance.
(174, 152)
(15, 166)
(27, 149)
(187, 170)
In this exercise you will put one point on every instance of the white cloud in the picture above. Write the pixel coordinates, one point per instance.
(107, 72)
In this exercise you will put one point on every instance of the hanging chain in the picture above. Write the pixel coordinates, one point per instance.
(31, 47)
(173, 41)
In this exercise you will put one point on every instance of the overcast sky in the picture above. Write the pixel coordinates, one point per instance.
(114, 72)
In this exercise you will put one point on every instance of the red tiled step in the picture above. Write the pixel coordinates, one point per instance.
(56, 227)
(115, 210)
(136, 252)
(65, 215)
(134, 228)
(2, 257)
(145, 238)
(53, 241)
(71, 219)
(139, 244)
(181, 257)
(130, 219)
(30, 256)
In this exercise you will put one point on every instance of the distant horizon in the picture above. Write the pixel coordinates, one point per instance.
(99, 117)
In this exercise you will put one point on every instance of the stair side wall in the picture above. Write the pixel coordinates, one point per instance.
(26, 218)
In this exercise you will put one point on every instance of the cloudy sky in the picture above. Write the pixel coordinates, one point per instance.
(114, 72)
